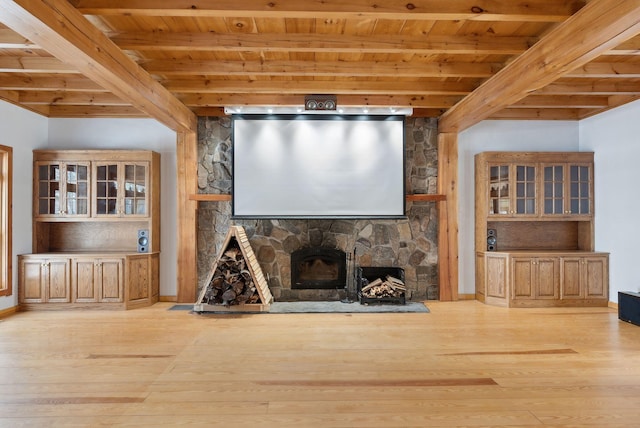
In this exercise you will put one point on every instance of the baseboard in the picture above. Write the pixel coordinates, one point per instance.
(172, 299)
(466, 297)
(9, 311)
(613, 305)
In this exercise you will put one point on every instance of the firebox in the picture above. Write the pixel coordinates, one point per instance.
(318, 267)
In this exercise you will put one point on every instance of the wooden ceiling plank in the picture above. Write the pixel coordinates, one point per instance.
(531, 10)
(60, 29)
(326, 68)
(66, 111)
(311, 42)
(596, 28)
(617, 70)
(537, 114)
(563, 101)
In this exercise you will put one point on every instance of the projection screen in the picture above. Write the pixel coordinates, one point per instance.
(311, 166)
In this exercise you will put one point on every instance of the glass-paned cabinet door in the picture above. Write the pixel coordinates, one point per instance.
(62, 189)
(106, 189)
(553, 189)
(525, 184)
(135, 189)
(499, 196)
(49, 195)
(77, 189)
(580, 189)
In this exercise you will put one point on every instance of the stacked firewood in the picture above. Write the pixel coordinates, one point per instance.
(379, 288)
(231, 283)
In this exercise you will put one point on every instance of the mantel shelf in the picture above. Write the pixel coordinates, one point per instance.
(227, 197)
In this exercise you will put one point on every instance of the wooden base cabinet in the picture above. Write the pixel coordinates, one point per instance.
(530, 279)
(96, 281)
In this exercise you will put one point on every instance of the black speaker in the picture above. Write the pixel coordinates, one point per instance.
(629, 307)
(143, 240)
(492, 240)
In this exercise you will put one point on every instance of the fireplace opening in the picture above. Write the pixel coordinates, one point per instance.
(318, 267)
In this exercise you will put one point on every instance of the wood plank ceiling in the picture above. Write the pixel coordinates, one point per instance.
(427, 54)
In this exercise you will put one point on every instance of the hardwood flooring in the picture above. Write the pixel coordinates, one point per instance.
(464, 364)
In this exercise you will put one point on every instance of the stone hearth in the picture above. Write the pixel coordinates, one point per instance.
(409, 243)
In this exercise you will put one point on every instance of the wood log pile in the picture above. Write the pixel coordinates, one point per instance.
(379, 288)
(231, 283)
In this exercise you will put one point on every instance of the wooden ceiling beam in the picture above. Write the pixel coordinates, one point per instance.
(33, 64)
(537, 114)
(596, 28)
(613, 70)
(325, 68)
(486, 10)
(70, 98)
(204, 86)
(221, 100)
(563, 101)
(66, 111)
(9, 39)
(61, 30)
(608, 87)
(58, 82)
(314, 42)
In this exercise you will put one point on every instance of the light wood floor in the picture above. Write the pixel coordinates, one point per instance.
(463, 364)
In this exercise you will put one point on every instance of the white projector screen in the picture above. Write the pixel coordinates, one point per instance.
(310, 166)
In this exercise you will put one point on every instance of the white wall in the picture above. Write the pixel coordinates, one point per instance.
(138, 134)
(499, 136)
(23, 131)
(614, 136)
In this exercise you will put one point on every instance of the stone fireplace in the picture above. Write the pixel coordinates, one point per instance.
(409, 243)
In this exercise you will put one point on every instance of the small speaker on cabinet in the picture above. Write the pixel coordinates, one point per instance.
(492, 240)
(143, 240)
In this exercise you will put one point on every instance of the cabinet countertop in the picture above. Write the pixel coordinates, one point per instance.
(89, 254)
(545, 252)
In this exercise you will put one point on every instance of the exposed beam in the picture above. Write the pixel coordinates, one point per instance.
(539, 114)
(488, 10)
(607, 70)
(70, 98)
(9, 39)
(32, 64)
(314, 42)
(325, 68)
(67, 111)
(357, 87)
(563, 101)
(596, 28)
(63, 32)
(600, 87)
(212, 100)
(48, 83)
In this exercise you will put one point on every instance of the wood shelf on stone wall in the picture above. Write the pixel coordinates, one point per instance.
(210, 197)
(227, 197)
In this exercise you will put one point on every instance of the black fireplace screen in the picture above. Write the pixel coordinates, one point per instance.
(318, 267)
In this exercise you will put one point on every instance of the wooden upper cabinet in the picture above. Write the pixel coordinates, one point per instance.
(121, 189)
(512, 190)
(567, 189)
(62, 189)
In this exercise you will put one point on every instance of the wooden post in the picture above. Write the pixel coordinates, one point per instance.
(187, 277)
(448, 216)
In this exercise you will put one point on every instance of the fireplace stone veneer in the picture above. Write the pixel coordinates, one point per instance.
(410, 243)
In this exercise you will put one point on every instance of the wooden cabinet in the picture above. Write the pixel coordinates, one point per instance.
(535, 278)
(44, 279)
(584, 277)
(66, 281)
(62, 189)
(98, 279)
(534, 230)
(540, 279)
(89, 208)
